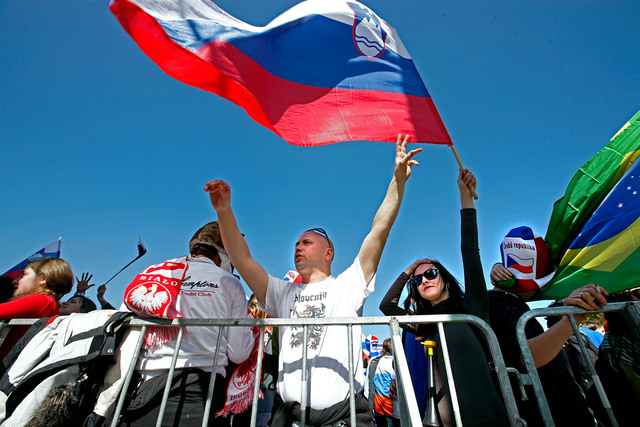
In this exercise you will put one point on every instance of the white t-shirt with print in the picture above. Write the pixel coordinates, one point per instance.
(327, 354)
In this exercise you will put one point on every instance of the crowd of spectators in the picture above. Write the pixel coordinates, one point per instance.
(205, 284)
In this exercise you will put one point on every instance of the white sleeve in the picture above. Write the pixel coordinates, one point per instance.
(275, 297)
(239, 339)
(355, 284)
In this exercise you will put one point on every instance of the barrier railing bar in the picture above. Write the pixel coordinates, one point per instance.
(167, 386)
(127, 381)
(447, 366)
(212, 380)
(303, 376)
(257, 379)
(592, 370)
(352, 396)
(408, 405)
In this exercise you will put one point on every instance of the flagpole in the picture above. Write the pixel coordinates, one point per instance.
(455, 153)
(123, 268)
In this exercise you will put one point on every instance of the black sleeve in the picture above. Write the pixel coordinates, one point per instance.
(475, 301)
(107, 306)
(389, 305)
(505, 313)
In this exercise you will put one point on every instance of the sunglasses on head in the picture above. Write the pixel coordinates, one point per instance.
(429, 274)
(323, 233)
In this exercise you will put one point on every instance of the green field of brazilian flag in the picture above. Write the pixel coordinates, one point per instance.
(594, 231)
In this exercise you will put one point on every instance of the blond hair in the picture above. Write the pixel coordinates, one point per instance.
(57, 275)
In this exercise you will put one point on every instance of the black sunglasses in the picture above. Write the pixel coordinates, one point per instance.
(430, 274)
(323, 233)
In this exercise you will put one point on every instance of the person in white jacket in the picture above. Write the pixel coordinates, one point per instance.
(208, 292)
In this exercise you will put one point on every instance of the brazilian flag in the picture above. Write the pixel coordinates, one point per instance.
(594, 232)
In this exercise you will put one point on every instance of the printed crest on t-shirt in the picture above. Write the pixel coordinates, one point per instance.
(315, 331)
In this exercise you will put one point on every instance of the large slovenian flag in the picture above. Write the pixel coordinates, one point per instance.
(324, 71)
(49, 251)
(606, 251)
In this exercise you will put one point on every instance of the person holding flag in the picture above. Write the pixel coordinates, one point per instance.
(318, 295)
(434, 290)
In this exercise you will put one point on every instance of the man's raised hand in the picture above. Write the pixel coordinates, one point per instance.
(404, 160)
(219, 193)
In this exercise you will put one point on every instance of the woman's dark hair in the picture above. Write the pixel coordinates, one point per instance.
(415, 304)
(203, 249)
(87, 304)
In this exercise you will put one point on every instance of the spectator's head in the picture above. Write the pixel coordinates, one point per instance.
(48, 276)
(526, 256)
(593, 325)
(77, 304)
(431, 284)
(314, 251)
(387, 348)
(207, 238)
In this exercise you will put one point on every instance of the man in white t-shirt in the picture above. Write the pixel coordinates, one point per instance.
(319, 295)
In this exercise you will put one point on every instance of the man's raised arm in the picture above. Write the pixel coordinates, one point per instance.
(237, 248)
(371, 249)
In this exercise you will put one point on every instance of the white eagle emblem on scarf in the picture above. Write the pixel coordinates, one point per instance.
(148, 299)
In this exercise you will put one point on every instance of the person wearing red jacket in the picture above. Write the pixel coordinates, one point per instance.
(38, 291)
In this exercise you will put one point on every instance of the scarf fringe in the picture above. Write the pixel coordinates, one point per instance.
(158, 336)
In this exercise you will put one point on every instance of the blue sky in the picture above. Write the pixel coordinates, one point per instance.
(101, 146)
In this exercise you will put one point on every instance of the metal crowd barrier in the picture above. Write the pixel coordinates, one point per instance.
(631, 310)
(409, 412)
(408, 407)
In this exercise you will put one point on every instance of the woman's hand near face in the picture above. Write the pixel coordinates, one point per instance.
(412, 268)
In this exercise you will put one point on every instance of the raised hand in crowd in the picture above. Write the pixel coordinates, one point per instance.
(83, 283)
(404, 161)
(499, 273)
(103, 302)
(466, 183)
(219, 193)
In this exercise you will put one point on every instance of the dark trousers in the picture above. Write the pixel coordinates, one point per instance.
(384, 421)
(185, 406)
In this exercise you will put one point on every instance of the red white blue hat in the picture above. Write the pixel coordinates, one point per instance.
(526, 255)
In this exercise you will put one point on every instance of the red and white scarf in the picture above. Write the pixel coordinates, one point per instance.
(242, 381)
(151, 295)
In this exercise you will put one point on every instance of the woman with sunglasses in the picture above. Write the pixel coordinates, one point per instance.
(434, 290)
